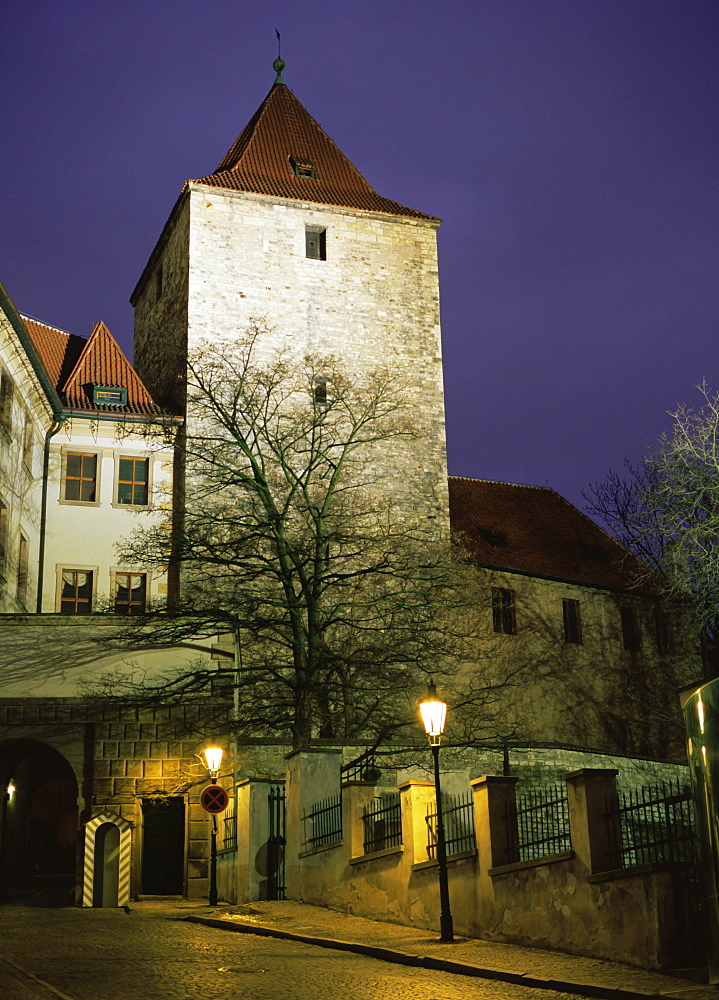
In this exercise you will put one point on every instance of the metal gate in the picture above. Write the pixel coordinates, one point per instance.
(276, 843)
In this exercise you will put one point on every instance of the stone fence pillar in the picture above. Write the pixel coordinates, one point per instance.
(593, 818)
(254, 855)
(415, 797)
(311, 775)
(356, 797)
(495, 820)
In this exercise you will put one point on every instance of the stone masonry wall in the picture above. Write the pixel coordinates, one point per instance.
(137, 754)
(373, 302)
(161, 316)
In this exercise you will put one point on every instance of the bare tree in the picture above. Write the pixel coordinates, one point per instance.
(666, 510)
(296, 533)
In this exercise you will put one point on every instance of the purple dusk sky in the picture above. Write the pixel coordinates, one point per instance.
(571, 147)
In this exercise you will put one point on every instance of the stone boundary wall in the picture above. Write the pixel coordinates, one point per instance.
(578, 901)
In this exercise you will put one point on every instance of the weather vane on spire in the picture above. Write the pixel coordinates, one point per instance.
(278, 65)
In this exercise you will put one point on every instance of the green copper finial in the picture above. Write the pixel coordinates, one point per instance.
(278, 65)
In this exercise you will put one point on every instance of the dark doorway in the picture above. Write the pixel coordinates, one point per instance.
(38, 822)
(163, 846)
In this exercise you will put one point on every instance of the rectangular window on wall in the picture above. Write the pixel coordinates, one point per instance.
(76, 592)
(572, 621)
(4, 526)
(23, 561)
(80, 477)
(130, 593)
(664, 634)
(320, 391)
(316, 244)
(27, 441)
(132, 481)
(630, 629)
(504, 618)
(7, 391)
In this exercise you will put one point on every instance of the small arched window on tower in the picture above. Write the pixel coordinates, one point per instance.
(315, 243)
(320, 392)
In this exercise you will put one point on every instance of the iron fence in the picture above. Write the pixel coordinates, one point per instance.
(382, 823)
(542, 823)
(362, 768)
(276, 843)
(228, 833)
(326, 821)
(655, 824)
(652, 824)
(458, 815)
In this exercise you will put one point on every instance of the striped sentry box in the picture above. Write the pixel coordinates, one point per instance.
(88, 882)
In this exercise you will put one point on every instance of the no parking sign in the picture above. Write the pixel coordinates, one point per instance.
(214, 799)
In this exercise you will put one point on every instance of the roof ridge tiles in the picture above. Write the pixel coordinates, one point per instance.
(506, 482)
(50, 326)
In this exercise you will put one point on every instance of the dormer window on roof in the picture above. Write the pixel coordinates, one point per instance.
(107, 395)
(302, 167)
(497, 539)
(596, 553)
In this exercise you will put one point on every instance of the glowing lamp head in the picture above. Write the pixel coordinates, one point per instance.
(434, 713)
(213, 760)
(10, 789)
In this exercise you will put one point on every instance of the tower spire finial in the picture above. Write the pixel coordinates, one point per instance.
(278, 65)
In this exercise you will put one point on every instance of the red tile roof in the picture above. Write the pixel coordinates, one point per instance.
(532, 529)
(58, 350)
(75, 366)
(282, 130)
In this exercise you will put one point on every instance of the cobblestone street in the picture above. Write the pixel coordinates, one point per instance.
(112, 955)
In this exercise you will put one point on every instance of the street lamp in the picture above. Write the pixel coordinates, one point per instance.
(213, 761)
(434, 713)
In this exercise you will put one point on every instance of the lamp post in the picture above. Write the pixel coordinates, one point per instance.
(434, 713)
(213, 761)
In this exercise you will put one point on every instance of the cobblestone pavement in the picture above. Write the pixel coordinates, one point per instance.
(589, 976)
(153, 952)
(112, 955)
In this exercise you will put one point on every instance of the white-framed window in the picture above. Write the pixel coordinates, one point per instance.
(28, 441)
(75, 589)
(7, 394)
(4, 532)
(129, 592)
(80, 477)
(23, 563)
(132, 481)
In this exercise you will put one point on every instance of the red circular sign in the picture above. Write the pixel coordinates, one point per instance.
(214, 799)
